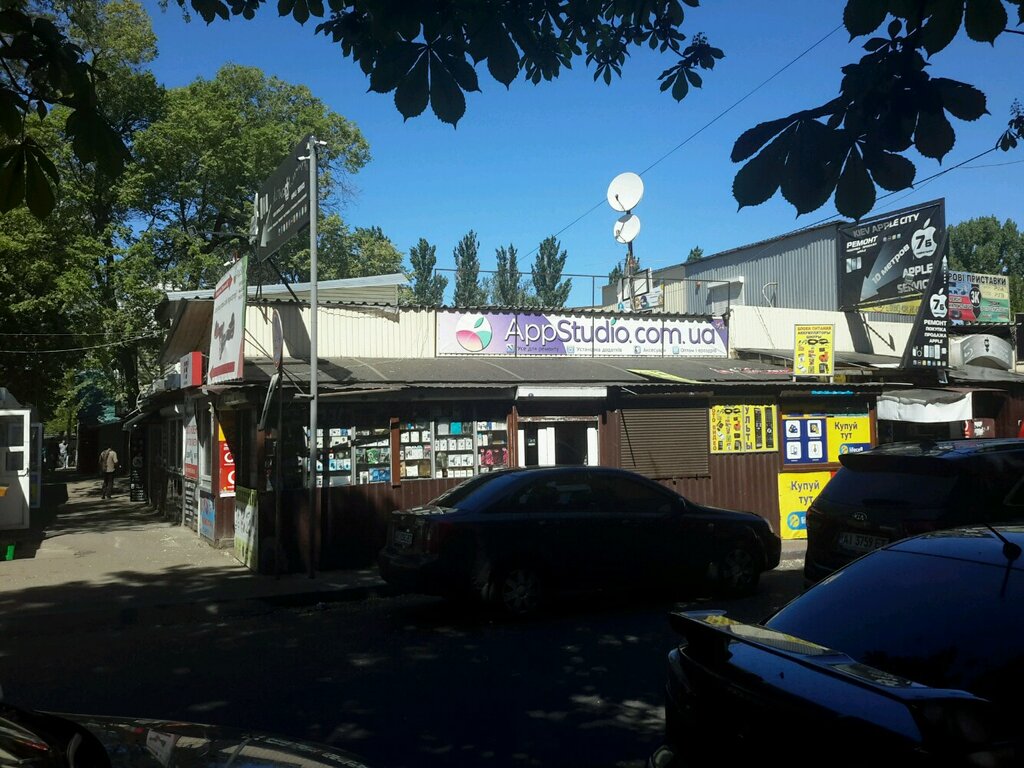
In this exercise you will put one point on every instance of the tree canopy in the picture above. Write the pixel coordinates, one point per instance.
(550, 289)
(508, 288)
(468, 290)
(427, 287)
(987, 246)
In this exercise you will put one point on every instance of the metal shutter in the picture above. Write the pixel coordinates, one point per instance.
(664, 442)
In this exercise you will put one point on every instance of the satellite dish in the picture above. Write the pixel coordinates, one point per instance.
(625, 191)
(626, 228)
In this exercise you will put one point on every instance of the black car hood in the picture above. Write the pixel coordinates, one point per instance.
(134, 743)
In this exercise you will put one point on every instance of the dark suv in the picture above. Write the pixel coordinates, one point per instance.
(903, 489)
(514, 536)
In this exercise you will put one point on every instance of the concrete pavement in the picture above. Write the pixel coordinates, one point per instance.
(89, 560)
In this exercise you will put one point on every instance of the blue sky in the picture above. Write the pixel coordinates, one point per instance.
(526, 162)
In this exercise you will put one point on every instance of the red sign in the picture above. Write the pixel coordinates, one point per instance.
(192, 370)
(227, 466)
(979, 428)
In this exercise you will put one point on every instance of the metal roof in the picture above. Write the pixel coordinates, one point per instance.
(347, 289)
(842, 358)
(466, 371)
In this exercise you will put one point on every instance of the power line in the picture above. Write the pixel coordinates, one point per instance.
(77, 349)
(996, 165)
(83, 333)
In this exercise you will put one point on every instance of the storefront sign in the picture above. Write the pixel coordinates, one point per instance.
(189, 503)
(976, 298)
(228, 327)
(207, 515)
(509, 334)
(797, 490)
(246, 526)
(191, 370)
(283, 202)
(979, 428)
(740, 428)
(886, 263)
(813, 347)
(190, 463)
(928, 344)
(818, 438)
(227, 465)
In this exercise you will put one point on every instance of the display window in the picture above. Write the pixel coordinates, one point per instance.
(492, 445)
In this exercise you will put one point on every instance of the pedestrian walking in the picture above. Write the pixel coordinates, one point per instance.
(62, 451)
(108, 465)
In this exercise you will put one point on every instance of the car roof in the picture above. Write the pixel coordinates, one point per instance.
(939, 451)
(976, 543)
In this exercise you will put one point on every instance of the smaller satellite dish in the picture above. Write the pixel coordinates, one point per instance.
(625, 191)
(626, 228)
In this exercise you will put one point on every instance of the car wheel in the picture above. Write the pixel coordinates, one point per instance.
(739, 570)
(520, 590)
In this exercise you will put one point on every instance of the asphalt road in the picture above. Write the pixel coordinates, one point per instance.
(404, 681)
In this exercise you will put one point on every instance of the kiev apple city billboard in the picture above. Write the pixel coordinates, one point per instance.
(524, 334)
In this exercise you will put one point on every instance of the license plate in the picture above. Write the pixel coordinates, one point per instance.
(859, 542)
(403, 538)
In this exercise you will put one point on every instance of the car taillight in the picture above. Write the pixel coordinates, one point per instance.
(436, 533)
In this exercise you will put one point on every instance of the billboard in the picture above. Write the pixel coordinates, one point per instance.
(813, 350)
(886, 263)
(976, 299)
(928, 345)
(528, 334)
(283, 202)
(228, 329)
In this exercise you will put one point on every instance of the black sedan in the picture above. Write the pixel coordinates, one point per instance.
(909, 656)
(513, 537)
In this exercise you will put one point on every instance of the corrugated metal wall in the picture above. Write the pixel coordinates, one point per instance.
(343, 331)
(756, 327)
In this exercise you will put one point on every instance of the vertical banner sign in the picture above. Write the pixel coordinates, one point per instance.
(886, 263)
(797, 490)
(283, 202)
(227, 465)
(228, 331)
(928, 345)
(813, 350)
(190, 461)
(246, 526)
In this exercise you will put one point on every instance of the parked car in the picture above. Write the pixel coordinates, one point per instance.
(909, 656)
(514, 536)
(903, 489)
(47, 740)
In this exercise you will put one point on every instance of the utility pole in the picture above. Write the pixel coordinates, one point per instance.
(314, 204)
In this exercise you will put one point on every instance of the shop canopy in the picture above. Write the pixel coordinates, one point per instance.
(927, 406)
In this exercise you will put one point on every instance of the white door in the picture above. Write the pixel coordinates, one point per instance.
(546, 446)
(593, 459)
(14, 469)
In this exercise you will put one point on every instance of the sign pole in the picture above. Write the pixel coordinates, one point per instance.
(313, 359)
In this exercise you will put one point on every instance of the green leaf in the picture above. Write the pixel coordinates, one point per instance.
(478, 323)
(413, 92)
(463, 72)
(285, 7)
(446, 97)
(812, 165)
(12, 177)
(863, 16)
(855, 194)
(934, 136)
(680, 88)
(960, 99)
(754, 138)
(39, 195)
(10, 113)
(942, 26)
(300, 11)
(694, 78)
(890, 171)
(759, 179)
(985, 20)
(503, 58)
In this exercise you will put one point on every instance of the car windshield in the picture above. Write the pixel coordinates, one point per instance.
(938, 621)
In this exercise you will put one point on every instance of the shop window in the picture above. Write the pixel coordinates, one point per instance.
(339, 455)
(454, 449)
(415, 450)
(492, 445)
(372, 455)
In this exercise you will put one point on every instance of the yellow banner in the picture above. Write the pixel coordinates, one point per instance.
(847, 434)
(739, 428)
(813, 350)
(796, 492)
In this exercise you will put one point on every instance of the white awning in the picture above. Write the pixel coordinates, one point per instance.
(928, 406)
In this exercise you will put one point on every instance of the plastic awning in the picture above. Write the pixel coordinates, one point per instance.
(927, 406)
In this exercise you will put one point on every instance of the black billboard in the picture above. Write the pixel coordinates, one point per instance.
(886, 263)
(283, 202)
(928, 345)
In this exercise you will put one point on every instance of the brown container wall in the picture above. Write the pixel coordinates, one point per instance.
(1011, 413)
(743, 481)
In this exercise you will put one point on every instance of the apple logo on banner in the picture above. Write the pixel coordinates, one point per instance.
(923, 241)
(473, 332)
(938, 305)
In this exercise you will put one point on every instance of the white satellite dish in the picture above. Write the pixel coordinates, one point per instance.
(625, 191)
(626, 228)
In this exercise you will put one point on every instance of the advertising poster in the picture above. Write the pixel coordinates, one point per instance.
(190, 462)
(207, 515)
(813, 350)
(246, 526)
(510, 334)
(227, 465)
(818, 438)
(928, 345)
(738, 428)
(228, 326)
(189, 503)
(978, 299)
(797, 490)
(886, 263)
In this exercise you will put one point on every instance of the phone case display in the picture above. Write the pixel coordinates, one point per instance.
(492, 445)
(372, 455)
(454, 453)
(415, 451)
(339, 455)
